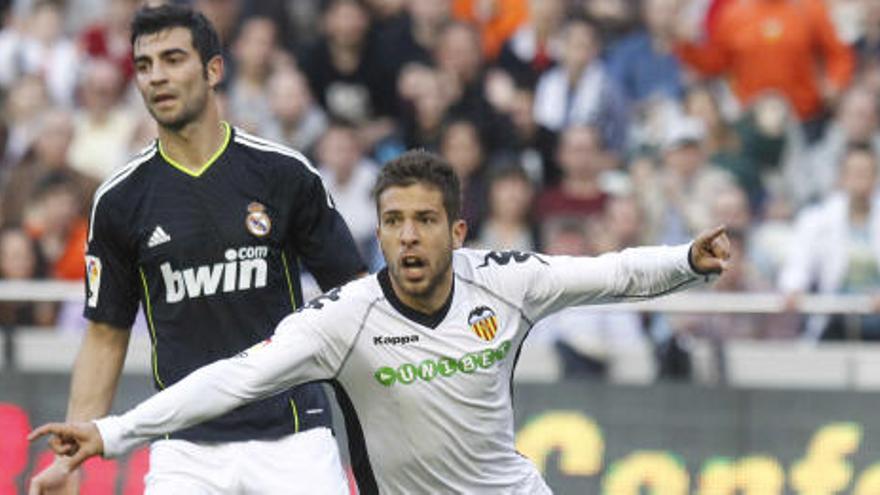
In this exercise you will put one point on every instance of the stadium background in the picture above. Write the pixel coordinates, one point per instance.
(577, 127)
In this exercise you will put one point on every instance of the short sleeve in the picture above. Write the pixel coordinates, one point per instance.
(111, 275)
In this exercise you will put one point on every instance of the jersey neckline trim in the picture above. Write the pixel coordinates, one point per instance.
(429, 320)
(208, 163)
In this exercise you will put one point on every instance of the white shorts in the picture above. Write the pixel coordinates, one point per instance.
(305, 463)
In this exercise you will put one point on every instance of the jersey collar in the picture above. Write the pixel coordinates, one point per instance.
(207, 164)
(429, 320)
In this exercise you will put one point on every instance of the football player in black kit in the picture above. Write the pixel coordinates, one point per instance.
(206, 228)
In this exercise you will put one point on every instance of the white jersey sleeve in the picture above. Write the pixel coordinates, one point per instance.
(308, 345)
(546, 284)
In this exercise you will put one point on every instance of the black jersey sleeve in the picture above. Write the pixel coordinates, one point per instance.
(321, 237)
(111, 274)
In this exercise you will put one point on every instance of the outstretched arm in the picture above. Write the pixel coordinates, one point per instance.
(295, 354)
(629, 275)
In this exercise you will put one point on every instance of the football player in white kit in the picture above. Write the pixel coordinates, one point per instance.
(425, 348)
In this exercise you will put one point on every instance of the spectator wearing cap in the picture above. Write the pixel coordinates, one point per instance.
(677, 194)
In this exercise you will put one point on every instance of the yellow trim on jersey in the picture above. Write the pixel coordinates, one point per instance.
(148, 309)
(289, 282)
(295, 416)
(207, 164)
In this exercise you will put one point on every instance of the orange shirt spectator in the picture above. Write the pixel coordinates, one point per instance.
(778, 45)
(495, 19)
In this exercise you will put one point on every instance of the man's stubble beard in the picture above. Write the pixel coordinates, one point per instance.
(190, 112)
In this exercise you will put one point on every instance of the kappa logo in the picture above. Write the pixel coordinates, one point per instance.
(503, 257)
(395, 339)
(483, 322)
(159, 236)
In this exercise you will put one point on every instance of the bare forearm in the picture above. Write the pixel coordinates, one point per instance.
(96, 372)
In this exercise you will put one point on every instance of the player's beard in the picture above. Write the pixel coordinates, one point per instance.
(191, 110)
(444, 265)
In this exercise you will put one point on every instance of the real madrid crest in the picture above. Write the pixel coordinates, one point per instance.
(257, 221)
(483, 322)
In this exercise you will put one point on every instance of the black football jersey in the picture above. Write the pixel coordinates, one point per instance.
(214, 259)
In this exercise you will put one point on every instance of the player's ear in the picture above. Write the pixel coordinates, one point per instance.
(214, 71)
(459, 232)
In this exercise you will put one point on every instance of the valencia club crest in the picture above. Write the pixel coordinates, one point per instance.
(483, 322)
(257, 221)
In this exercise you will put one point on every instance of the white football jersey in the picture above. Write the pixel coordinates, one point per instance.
(432, 393)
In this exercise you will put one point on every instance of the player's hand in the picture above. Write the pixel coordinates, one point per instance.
(76, 442)
(710, 251)
(56, 479)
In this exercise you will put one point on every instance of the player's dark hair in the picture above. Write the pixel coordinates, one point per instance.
(151, 20)
(422, 167)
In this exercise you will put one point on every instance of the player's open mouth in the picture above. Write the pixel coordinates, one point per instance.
(412, 265)
(159, 99)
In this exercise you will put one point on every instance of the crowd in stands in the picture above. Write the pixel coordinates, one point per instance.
(575, 126)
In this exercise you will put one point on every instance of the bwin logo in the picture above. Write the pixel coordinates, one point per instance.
(245, 268)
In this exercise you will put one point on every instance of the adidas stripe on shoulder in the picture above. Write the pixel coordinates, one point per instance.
(142, 157)
(261, 144)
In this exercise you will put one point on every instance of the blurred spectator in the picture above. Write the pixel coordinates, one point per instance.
(462, 147)
(413, 38)
(496, 20)
(24, 105)
(850, 262)
(428, 101)
(855, 123)
(47, 156)
(613, 18)
(701, 102)
(508, 224)
(867, 46)
(224, 16)
(621, 225)
(349, 176)
(535, 46)
(110, 36)
(253, 51)
(386, 12)
(643, 63)
(579, 90)
(103, 129)
(677, 196)
(459, 62)
(534, 149)
(582, 159)
(54, 220)
(344, 67)
(776, 45)
(296, 119)
(586, 339)
(20, 260)
(38, 47)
